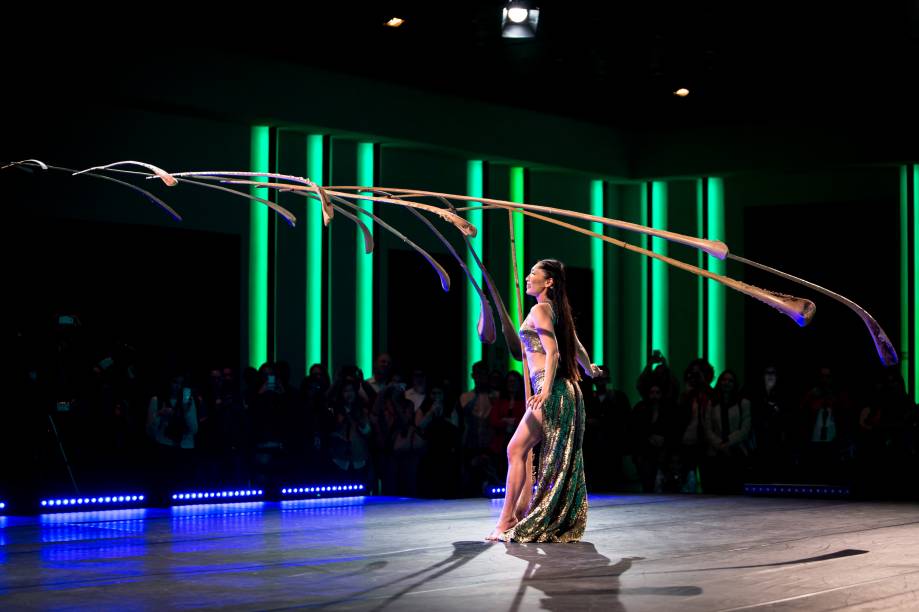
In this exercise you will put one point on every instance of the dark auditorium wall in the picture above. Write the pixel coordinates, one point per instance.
(425, 141)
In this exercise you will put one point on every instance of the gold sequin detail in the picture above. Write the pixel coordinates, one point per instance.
(529, 336)
(531, 342)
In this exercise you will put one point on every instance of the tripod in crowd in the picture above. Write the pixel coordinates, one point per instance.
(60, 446)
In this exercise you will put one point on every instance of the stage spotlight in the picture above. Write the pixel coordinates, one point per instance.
(395, 22)
(517, 14)
(519, 20)
(682, 92)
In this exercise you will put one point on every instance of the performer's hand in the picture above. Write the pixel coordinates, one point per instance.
(595, 371)
(536, 401)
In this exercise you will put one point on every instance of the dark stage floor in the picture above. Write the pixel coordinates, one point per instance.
(640, 553)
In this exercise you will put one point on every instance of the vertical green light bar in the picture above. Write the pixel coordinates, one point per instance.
(258, 251)
(643, 240)
(660, 287)
(716, 291)
(314, 165)
(915, 255)
(517, 187)
(599, 276)
(904, 274)
(475, 187)
(909, 295)
(700, 282)
(363, 295)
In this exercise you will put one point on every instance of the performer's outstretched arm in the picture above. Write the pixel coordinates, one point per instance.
(583, 358)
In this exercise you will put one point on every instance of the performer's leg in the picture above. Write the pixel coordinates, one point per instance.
(526, 494)
(528, 434)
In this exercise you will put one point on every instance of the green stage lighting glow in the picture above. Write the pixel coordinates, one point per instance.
(475, 187)
(258, 251)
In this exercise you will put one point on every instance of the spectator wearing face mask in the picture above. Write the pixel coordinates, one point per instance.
(770, 441)
(607, 432)
(270, 419)
(407, 446)
(348, 441)
(233, 428)
(382, 372)
(652, 425)
(210, 403)
(313, 421)
(475, 412)
(882, 436)
(727, 425)
(440, 466)
(418, 390)
(825, 411)
(694, 401)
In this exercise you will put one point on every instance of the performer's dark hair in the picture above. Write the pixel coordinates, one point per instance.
(564, 323)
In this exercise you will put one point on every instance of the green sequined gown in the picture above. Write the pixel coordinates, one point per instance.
(558, 510)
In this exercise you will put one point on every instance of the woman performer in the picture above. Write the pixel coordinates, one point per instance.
(557, 511)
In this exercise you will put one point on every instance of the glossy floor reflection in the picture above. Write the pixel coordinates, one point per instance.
(639, 553)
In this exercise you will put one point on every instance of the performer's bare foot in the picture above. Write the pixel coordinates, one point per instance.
(498, 534)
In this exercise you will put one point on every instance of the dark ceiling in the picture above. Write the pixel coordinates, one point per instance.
(610, 62)
(619, 63)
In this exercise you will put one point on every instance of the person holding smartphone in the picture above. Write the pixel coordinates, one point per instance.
(172, 423)
(172, 416)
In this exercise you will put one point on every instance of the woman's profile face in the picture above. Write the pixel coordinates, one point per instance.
(537, 281)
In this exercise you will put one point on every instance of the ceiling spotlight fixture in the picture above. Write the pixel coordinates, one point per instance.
(681, 92)
(395, 22)
(519, 20)
(517, 14)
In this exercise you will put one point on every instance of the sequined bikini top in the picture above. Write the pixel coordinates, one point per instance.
(530, 337)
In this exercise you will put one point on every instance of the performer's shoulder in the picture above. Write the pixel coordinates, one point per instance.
(543, 309)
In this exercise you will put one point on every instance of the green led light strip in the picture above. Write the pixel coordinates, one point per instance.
(643, 263)
(660, 287)
(915, 256)
(904, 274)
(314, 164)
(363, 296)
(258, 251)
(700, 281)
(909, 284)
(596, 265)
(517, 186)
(475, 187)
(716, 291)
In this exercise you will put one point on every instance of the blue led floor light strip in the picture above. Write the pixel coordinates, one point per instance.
(103, 501)
(336, 490)
(232, 495)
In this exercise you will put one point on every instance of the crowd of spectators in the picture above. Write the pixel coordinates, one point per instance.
(95, 418)
(714, 435)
